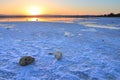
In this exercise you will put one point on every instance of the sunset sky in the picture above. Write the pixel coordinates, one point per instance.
(76, 7)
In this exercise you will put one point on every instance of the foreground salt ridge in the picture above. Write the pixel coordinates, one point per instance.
(89, 53)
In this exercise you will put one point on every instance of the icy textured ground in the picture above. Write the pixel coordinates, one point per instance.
(90, 47)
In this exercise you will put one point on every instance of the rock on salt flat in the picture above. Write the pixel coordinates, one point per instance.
(90, 47)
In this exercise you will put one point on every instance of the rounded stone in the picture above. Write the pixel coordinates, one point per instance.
(26, 60)
(58, 55)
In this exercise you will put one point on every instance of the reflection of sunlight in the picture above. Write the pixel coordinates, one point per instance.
(36, 19)
(93, 24)
(7, 25)
(33, 19)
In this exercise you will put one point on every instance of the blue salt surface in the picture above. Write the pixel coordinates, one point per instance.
(90, 47)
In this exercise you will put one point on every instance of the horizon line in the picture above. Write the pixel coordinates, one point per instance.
(58, 15)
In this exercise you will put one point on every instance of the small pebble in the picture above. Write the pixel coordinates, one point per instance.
(58, 55)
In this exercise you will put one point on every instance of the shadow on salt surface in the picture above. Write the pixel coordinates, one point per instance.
(8, 26)
(1, 34)
(95, 25)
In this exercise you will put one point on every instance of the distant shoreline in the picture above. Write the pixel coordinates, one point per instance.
(45, 16)
(56, 16)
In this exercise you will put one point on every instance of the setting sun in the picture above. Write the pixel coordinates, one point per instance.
(34, 11)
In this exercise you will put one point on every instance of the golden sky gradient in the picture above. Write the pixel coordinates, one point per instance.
(76, 7)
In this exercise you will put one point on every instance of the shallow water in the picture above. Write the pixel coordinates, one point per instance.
(39, 19)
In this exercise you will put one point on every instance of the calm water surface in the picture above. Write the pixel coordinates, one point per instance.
(39, 19)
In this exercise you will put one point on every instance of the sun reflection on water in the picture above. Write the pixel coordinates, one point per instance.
(38, 19)
(33, 19)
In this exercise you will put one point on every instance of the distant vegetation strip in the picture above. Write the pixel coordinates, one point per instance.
(60, 16)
